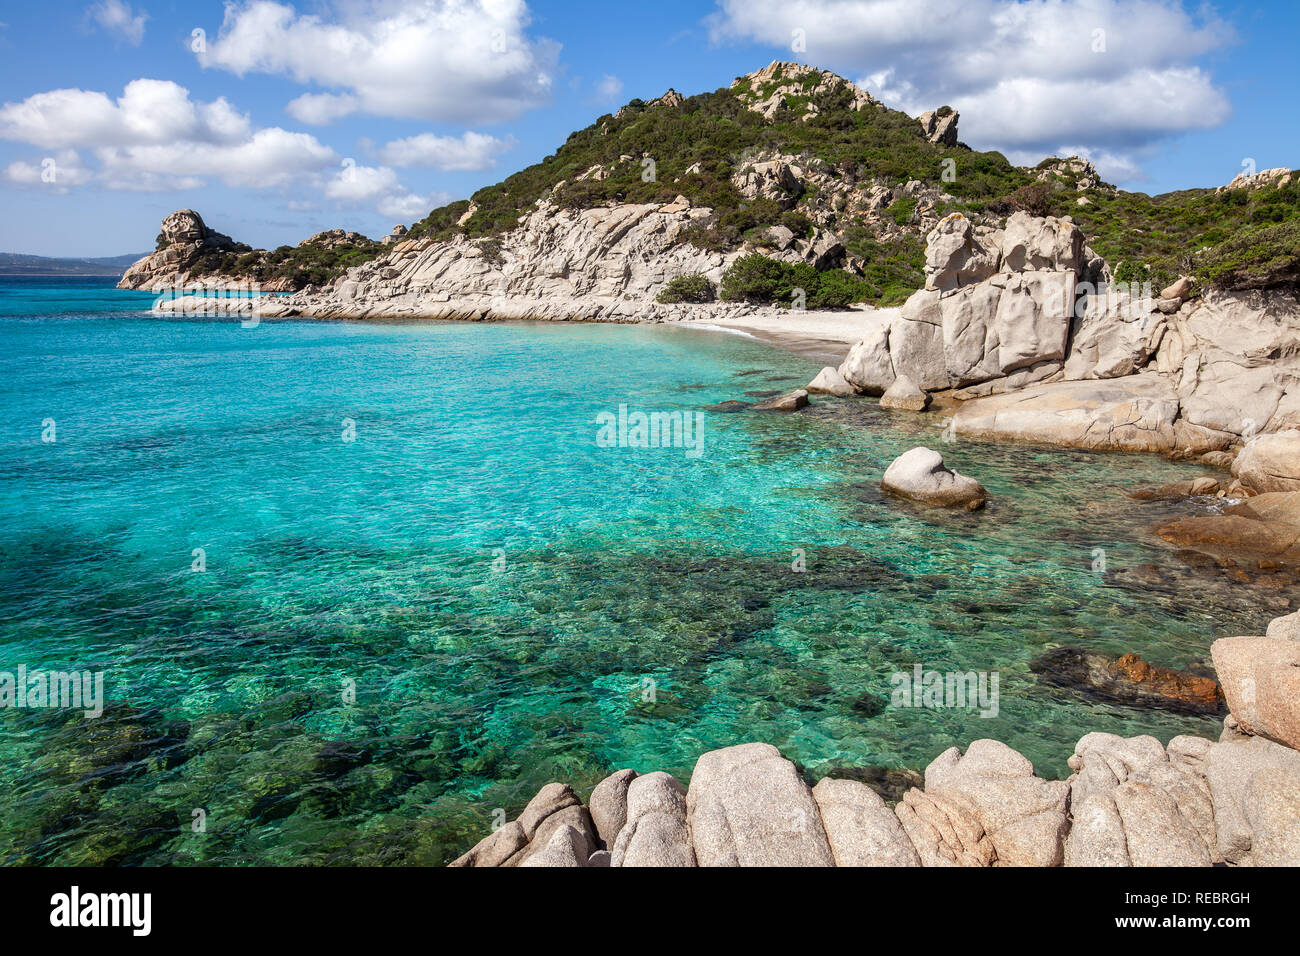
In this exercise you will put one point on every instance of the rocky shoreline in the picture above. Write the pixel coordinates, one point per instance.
(1128, 801)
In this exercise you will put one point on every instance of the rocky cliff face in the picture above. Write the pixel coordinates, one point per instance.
(605, 263)
(1022, 325)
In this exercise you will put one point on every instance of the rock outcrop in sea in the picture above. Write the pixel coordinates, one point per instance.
(183, 242)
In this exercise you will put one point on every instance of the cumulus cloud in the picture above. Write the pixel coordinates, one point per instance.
(58, 173)
(116, 17)
(437, 60)
(1029, 76)
(154, 136)
(406, 207)
(469, 151)
(353, 183)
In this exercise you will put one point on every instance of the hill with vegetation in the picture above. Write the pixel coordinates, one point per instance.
(827, 190)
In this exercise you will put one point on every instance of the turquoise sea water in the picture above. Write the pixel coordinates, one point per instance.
(498, 590)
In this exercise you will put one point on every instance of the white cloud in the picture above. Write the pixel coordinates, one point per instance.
(321, 109)
(57, 173)
(155, 137)
(148, 111)
(1028, 76)
(608, 88)
(114, 16)
(354, 183)
(469, 151)
(436, 60)
(407, 207)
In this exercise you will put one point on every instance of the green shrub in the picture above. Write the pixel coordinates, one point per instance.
(763, 281)
(1264, 258)
(687, 288)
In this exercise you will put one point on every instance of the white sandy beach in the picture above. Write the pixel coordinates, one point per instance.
(825, 335)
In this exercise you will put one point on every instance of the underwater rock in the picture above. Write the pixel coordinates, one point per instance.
(1129, 680)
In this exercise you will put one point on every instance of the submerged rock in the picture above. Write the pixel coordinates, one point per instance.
(789, 402)
(1262, 531)
(1129, 680)
(920, 475)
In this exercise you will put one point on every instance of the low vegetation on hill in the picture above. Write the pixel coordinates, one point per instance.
(288, 267)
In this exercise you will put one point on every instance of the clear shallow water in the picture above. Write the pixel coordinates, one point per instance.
(495, 586)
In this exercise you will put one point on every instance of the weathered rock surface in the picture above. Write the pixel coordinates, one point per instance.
(1261, 680)
(861, 829)
(942, 833)
(1270, 462)
(1136, 804)
(1285, 628)
(747, 806)
(868, 367)
(186, 239)
(789, 402)
(608, 805)
(905, 396)
(829, 381)
(940, 126)
(1232, 770)
(1023, 817)
(656, 832)
(1137, 413)
(920, 475)
(1262, 530)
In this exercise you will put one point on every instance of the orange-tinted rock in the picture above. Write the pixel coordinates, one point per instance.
(1129, 680)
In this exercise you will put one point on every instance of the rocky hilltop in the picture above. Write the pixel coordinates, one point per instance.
(191, 255)
(1037, 304)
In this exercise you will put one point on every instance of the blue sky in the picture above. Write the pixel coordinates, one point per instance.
(277, 121)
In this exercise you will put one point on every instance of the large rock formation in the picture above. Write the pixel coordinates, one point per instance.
(604, 263)
(1022, 325)
(778, 84)
(183, 241)
(940, 126)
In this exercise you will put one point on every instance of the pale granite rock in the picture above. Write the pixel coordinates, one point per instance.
(1232, 766)
(1261, 681)
(861, 829)
(1023, 816)
(829, 381)
(905, 396)
(656, 832)
(608, 805)
(747, 806)
(920, 475)
(942, 833)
